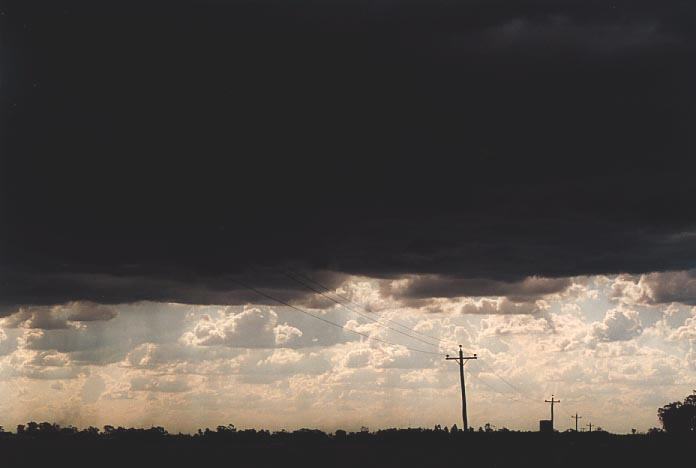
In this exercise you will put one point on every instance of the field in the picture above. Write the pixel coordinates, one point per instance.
(391, 448)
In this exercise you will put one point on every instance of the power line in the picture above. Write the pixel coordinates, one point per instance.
(522, 394)
(358, 312)
(395, 322)
(365, 335)
(507, 395)
(506, 382)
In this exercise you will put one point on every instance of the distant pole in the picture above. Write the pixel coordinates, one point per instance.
(552, 401)
(590, 426)
(576, 417)
(461, 360)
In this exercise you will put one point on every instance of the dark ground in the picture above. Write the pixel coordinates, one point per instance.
(384, 449)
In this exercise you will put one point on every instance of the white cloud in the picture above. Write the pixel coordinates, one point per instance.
(515, 325)
(656, 288)
(619, 324)
(92, 388)
(630, 290)
(251, 328)
(6, 344)
(286, 334)
(503, 306)
(357, 358)
(176, 384)
(36, 317)
(194, 366)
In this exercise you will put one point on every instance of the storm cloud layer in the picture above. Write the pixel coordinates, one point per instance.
(162, 150)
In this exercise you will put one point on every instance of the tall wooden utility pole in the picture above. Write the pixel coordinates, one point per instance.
(576, 417)
(462, 360)
(590, 426)
(552, 401)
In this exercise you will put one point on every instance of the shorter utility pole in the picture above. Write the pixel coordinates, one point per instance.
(576, 417)
(590, 426)
(461, 360)
(552, 401)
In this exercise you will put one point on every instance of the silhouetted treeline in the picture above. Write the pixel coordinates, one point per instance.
(229, 433)
(46, 444)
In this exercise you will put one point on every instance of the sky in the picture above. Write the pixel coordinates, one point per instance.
(512, 176)
(611, 348)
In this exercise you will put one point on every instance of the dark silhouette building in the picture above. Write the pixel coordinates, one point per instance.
(545, 425)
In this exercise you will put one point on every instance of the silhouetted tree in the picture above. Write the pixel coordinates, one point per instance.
(229, 429)
(679, 417)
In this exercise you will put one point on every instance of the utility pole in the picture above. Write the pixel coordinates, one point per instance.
(576, 417)
(590, 426)
(552, 401)
(461, 360)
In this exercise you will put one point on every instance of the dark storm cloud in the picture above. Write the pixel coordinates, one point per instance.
(153, 150)
(528, 290)
(45, 288)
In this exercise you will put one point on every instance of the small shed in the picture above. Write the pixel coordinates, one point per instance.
(545, 425)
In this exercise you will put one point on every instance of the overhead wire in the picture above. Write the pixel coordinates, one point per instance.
(514, 387)
(364, 315)
(292, 276)
(395, 322)
(330, 322)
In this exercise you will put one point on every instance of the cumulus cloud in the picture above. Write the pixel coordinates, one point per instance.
(198, 357)
(286, 334)
(630, 290)
(503, 306)
(357, 358)
(43, 366)
(656, 288)
(6, 344)
(687, 331)
(41, 318)
(676, 286)
(619, 324)
(497, 325)
(251, 328)
(284, 362)
(49, 359)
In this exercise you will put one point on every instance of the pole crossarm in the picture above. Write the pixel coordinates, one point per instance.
(461, 360)
(552, 401)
